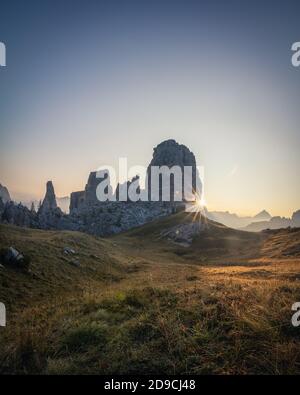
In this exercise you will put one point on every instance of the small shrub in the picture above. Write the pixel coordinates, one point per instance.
(192, 278)
(82, 337)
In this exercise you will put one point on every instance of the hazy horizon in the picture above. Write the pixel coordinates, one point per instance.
(89, 82)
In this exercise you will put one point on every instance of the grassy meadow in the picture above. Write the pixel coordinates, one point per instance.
(139, 304)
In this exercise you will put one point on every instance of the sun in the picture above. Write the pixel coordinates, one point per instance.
(201, 202)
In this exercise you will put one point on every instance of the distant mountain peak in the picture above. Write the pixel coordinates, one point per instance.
(263, 215)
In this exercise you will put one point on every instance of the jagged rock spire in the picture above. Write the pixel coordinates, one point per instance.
(49, 202)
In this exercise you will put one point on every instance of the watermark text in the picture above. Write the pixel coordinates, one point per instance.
(296, 54)
(2, 314)
(2, 54)
(296, 316)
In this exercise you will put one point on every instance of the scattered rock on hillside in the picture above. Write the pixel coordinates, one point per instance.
(69, 251)
(12, 257)
(184, 234)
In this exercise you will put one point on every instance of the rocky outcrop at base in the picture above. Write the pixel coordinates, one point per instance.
(103, 218)
(115, 217)
(4, 194)
(17, 214)
(184, 234)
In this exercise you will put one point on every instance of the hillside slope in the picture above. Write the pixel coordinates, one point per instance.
(282, 243)
(194, 237)
(143, 303)
(52, 271)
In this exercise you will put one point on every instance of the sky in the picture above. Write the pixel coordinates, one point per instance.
(87, 82)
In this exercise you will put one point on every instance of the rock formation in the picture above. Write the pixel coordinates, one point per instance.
(274, 223)
(262, 216)
(91, 188)
(184, 234)
(169, 153)
(296, 218)
(126, 186)
(88, 214)
(49, 214)
(4, 194)
(88, 197)
(49, 202)
(2, 206)
(233, 220)
(19, 215)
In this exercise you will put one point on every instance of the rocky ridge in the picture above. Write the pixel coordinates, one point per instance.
(88, 214)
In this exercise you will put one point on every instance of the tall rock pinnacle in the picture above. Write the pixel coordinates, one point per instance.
(168, 154)
(49, 202)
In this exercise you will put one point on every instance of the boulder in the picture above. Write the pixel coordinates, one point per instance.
(12, 257)
(69, 251)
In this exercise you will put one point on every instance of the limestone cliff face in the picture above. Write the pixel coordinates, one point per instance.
(127, 185)
(4, 194)
(87, 198)
(77, 200)
(91, 187)
(169, 153)
(88, 214)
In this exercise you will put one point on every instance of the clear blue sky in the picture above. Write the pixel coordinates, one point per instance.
(89, 81)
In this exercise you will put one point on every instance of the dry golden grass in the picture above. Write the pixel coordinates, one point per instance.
(139, 304)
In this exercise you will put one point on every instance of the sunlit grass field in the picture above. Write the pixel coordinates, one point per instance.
(141, 304)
